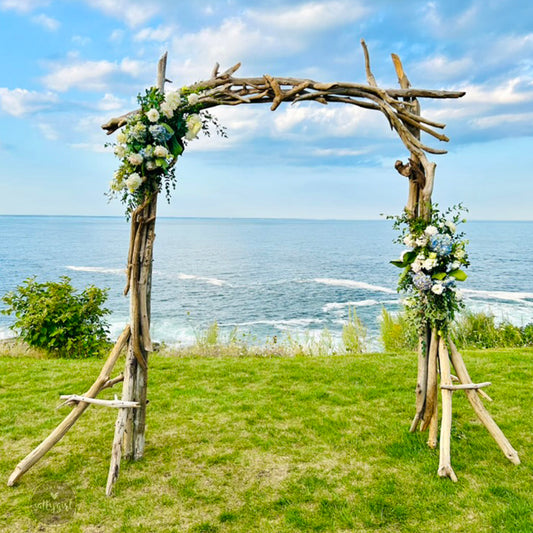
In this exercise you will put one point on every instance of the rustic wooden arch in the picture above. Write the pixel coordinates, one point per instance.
(402, 109)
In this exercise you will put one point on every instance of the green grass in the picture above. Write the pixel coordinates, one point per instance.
(249, 444)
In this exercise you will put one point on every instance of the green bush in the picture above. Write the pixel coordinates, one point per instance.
(398, 332)
(480, 330)
(54, 316)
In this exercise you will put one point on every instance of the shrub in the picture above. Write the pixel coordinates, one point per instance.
(398, 332)
(52, 315)
(480, 330)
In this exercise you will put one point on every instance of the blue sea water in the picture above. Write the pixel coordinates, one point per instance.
(265, 277)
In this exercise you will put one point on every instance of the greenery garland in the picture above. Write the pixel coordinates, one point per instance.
(152, 140)
(432, 265)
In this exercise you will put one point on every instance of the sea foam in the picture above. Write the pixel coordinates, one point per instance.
(352, 284)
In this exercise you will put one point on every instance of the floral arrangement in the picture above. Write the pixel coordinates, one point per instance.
(152, 140)
(432, 265)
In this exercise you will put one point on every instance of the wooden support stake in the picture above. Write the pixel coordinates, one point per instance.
(479, 408)
(432, 389)
(445, 467)
(421, 381)
(61, 430)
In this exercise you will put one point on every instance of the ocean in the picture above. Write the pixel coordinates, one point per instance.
(266, 277)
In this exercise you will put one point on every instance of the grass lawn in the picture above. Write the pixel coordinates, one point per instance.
(273, 445)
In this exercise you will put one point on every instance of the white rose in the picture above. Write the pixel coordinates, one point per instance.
(193, 99)
(135, 159)
(459, 253)
(172, 99)
(167, 110)
(431, 230)
(150, 165)
(153, 115)
(133, 182)
(438, 288)
(160, 151)
(451, 226)
(429, 264)
(121, 137)
(194, 125)
(455, 265)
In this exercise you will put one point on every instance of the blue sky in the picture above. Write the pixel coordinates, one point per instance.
(68, 66)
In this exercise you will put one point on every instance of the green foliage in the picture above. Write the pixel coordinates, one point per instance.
(353, 334)
(480, 330)
(398, 332)
(53, 316)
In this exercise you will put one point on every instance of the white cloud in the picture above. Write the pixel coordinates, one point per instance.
(89, 75)
(132, 12)
(48, 131)
(440, 67)
(503, 119)
(330, 121)
(81, 40)
(310, 17)
(110, 102)
(22, 6)
(338, 152)
(159, 34)
(48, 23)
(20, 102)
(446, 27)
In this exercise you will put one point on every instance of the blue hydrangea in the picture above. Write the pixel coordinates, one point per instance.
(441, 244)
(449, 282)
(422, 281)
(147, 152)
(159, 133)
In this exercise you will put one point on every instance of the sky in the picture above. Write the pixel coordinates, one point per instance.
(68, 66)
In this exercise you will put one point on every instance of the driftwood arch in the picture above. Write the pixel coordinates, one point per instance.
(401, 107)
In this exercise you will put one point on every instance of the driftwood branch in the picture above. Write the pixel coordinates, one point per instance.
(397, 105)
(71, 399)
(467, 386)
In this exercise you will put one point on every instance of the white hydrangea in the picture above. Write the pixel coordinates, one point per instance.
(173, 99)
(410, 241)
(193, 99)
(167, 110)
(153, 115)
(416, 265)
(135, 159)
(160, 151)
(422, 240)
(133, 182)
(120, 150)
(431, 230)
(121, 137)
(150, 165)
(194, 125)
(438, 288)
(459, 253)
(455, 265)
